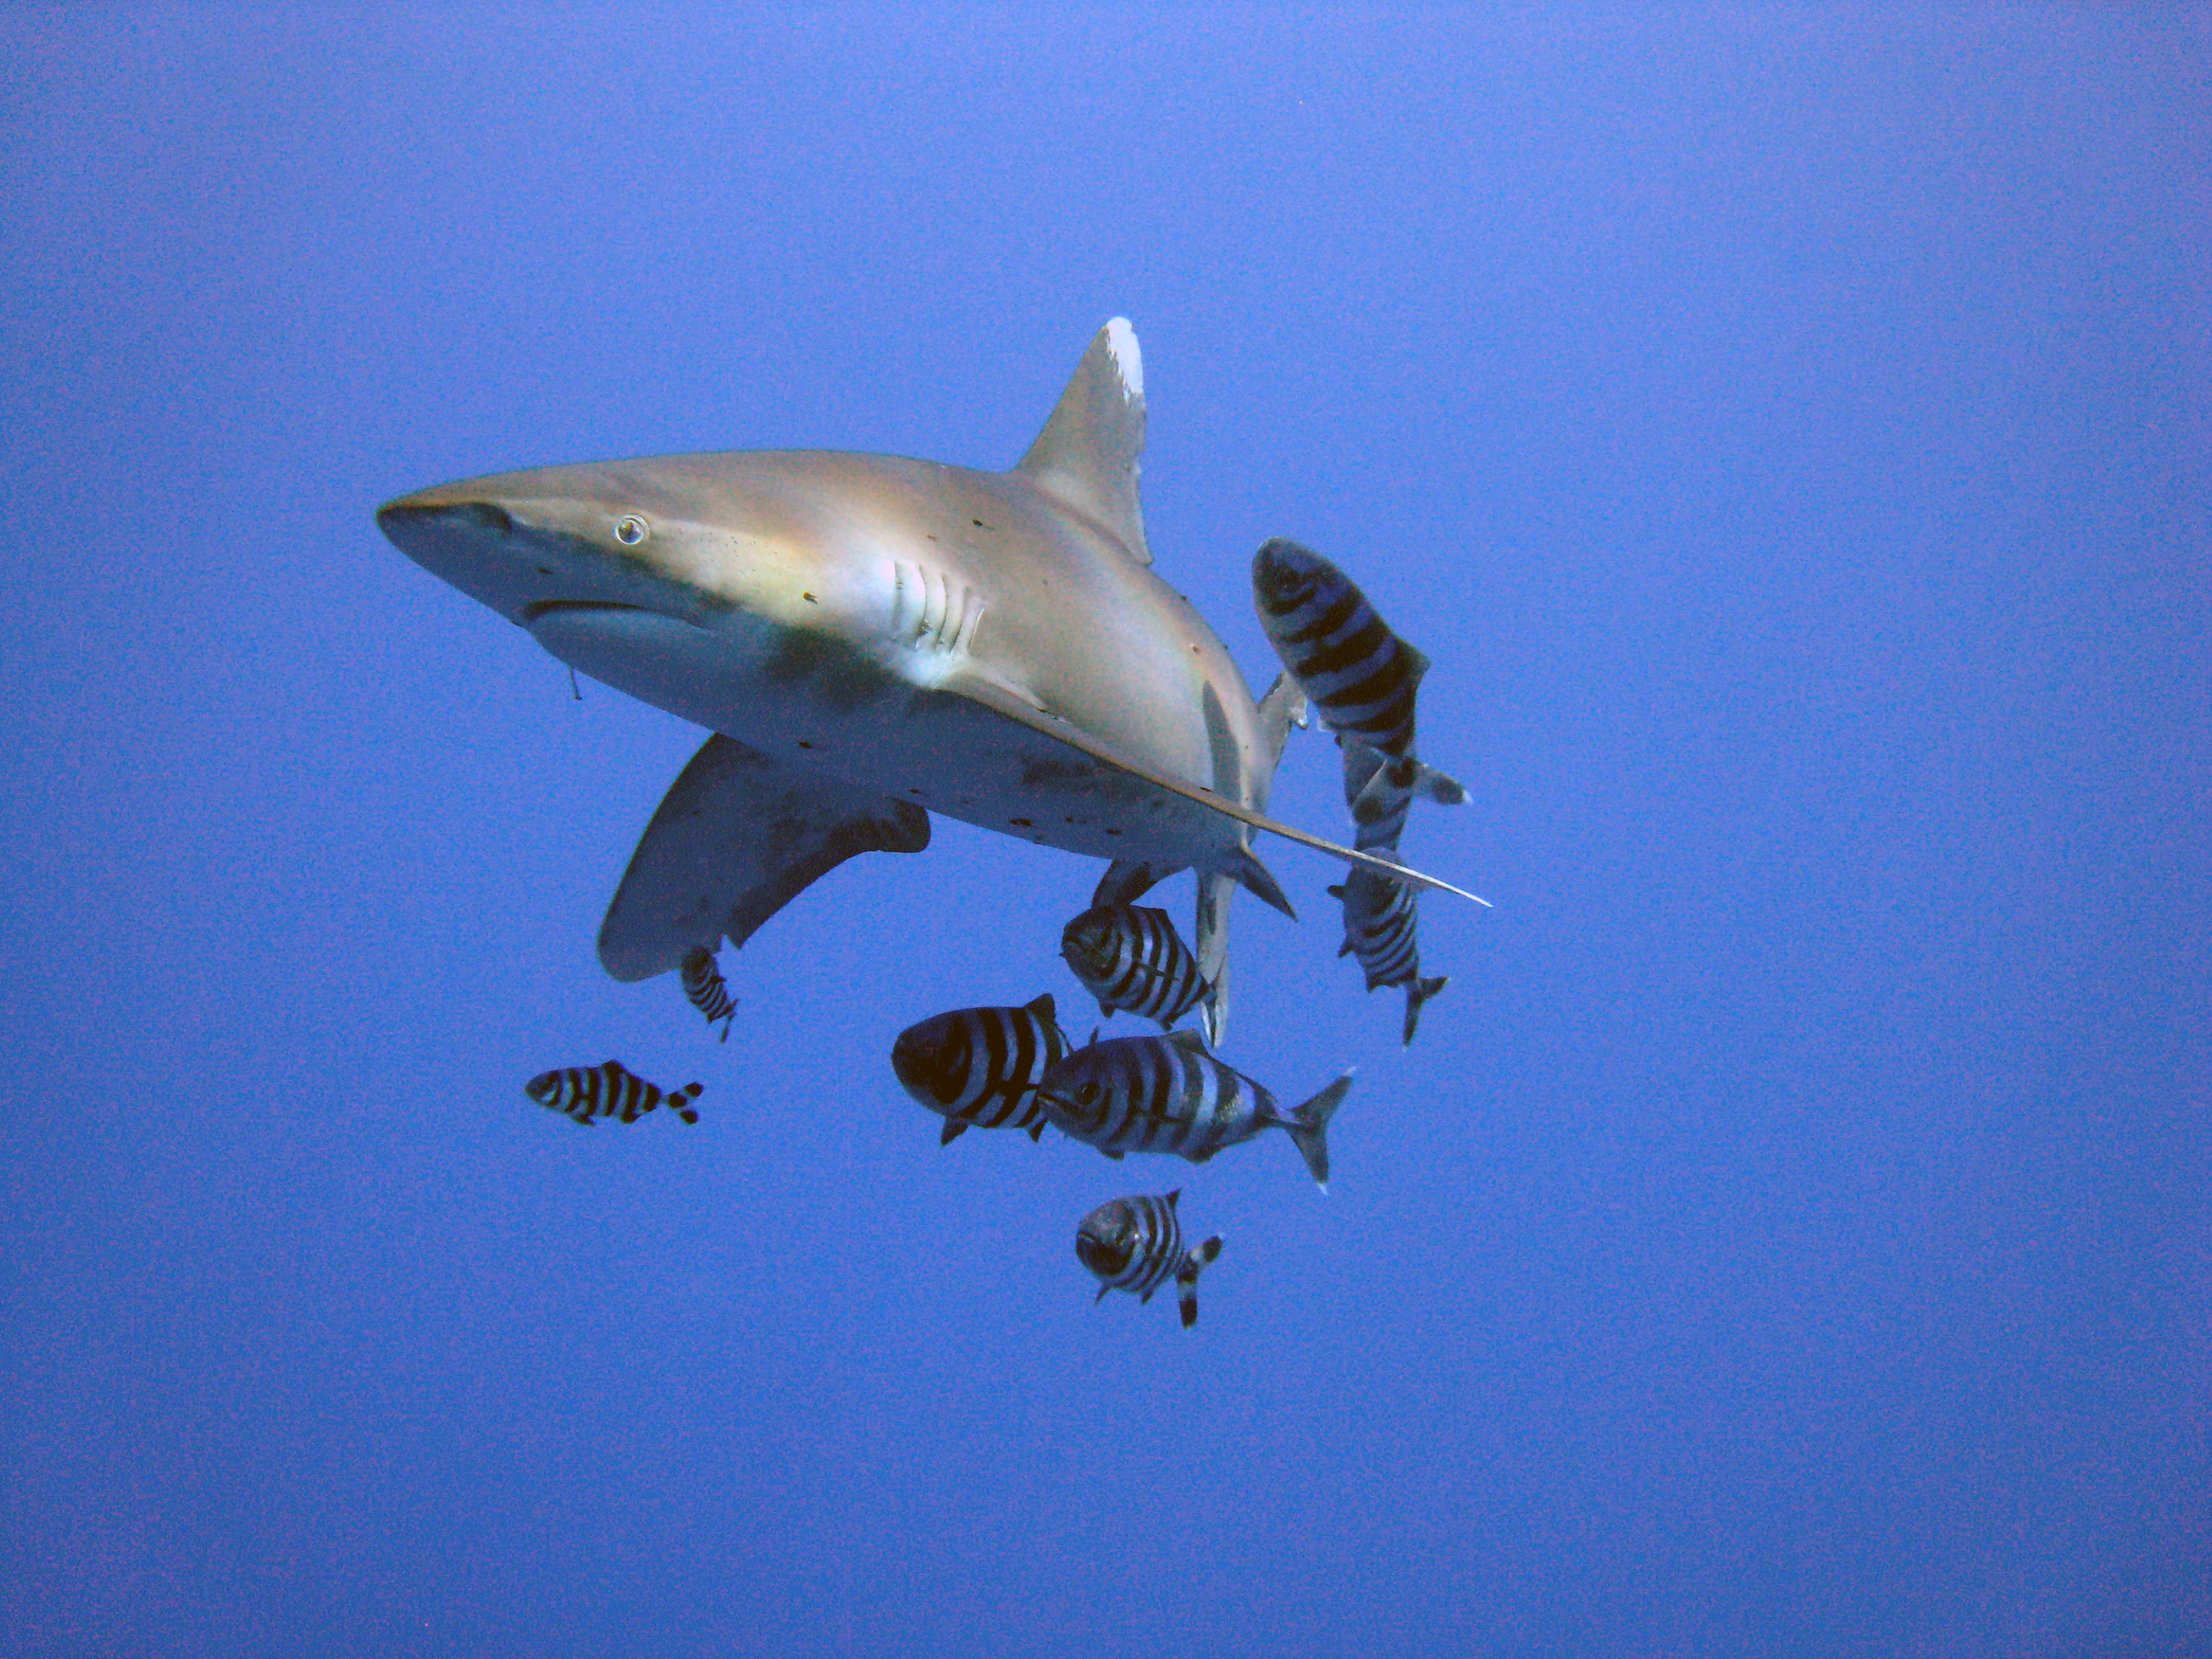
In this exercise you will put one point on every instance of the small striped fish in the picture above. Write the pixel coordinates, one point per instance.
(1378, 928)
(1168, 1094)
(980, 1066)
(1362, 677)
(1135, 1244)
(1130, 956)
(709, 992)
(585, 1092)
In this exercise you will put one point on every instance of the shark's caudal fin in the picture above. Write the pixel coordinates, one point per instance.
(1087, 455)
(736, 839)
(1309, 1127)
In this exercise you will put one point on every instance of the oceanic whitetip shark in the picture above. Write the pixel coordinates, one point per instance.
(871, 638)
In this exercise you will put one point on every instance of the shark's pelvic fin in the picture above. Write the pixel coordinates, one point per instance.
(736, 839)
(1127, 880)
(1086, 457)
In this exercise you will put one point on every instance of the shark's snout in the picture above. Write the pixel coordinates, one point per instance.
(409, 517)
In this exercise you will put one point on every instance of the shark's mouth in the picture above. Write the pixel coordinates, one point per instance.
(665, 660)
(531, 614)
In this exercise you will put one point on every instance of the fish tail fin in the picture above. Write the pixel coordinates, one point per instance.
(1438, 786)
(681, 1100)
(1214, 890)
(1417, 994)
(1187, 1278)
(1309, 1127)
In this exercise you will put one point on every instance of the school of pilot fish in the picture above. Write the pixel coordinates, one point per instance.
(869, 640)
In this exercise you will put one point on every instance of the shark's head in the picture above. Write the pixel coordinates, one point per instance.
(654, 534)
(661, 577)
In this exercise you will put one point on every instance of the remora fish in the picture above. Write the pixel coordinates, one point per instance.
(1167, 1094)
(585, 1092)
(980, 1066)
(1379, 928)
(1361, 676)
(1129, 956)
(870, 638)
(1135, 1244)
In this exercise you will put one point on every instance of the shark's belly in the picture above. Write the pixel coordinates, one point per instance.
(808, 702)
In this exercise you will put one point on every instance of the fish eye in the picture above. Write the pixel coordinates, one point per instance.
(630, 529)
(1086, 1093)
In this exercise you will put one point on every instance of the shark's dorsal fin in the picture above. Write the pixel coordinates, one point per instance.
(1086, 457)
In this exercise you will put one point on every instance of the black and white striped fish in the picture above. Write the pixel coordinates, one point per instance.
(1135, 1244)
(709, 992)
(1379, 928)
(586, 1092)
(1168, 1094)
(1129, 956)
(980, 1066)
(1361, 676)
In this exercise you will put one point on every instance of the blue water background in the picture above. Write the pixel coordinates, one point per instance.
(1785, 428)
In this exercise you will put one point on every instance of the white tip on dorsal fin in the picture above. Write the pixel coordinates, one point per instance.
(1086, 457)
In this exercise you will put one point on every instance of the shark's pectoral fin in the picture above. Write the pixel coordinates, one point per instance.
(737, 837)
(1127, 880)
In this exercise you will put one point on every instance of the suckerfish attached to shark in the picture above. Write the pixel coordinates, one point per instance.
(872, 638)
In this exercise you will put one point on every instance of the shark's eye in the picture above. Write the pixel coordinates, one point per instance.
(630, 529)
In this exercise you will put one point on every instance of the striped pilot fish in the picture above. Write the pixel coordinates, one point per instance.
(588, 1092)
(1361, 676)
(981, 1067)
(1130, 956)
(1168, 1094)
(1135, 1244)
(709, 992)
(1378, 928)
